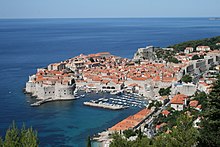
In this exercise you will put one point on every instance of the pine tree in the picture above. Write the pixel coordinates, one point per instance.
(183, 135)
(210, 124)
(12, 138)
(1, 142)
(89, 142)
(20, 138)
(119, 141)
(28, 137)
(140, 134)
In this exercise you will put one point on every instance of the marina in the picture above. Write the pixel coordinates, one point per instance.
(118, 102)
(105, 105)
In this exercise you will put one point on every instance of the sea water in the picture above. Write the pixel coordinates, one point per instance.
(28, 44)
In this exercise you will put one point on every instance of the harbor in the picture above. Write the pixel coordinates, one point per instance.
(105, 105)
(116, 102)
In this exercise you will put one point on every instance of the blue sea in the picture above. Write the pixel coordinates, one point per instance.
(27, 44)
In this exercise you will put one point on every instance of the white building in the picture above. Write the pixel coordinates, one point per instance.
(203, 48)
(188, 50)
(178, 102)
(185, 88)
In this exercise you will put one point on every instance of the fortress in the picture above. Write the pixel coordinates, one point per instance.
(53, 84)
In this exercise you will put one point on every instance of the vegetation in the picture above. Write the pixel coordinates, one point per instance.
(118, 141)
(181, 135)
(173, 60)
(180, 126)
(196, 57)
(24, 137)
(129, 133)
(167, 55)
(211, 42)
(210, 131)
(202, 98)
(91, 59)
(1, 142)
(89, 144)
(186, 79)
(164, 91)
(154, 103)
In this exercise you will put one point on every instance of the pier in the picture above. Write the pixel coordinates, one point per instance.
(105, 105)
(38, 103)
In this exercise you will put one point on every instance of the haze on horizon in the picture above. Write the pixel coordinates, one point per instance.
(108, 9)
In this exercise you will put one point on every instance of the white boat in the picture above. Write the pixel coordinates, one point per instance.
(35, 104)
(77, 97)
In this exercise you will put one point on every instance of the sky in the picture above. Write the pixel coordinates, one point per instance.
(108, 8)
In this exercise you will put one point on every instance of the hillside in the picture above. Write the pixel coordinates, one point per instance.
(211, 42)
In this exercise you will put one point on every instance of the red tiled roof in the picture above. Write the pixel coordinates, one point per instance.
(178, 99)
(165, 112)
(138, 78)
(193, 103)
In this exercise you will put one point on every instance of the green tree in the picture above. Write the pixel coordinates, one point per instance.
(195, 57)
(202, 98)
(28, 137)
(91, 59)
(128, 133)
(186, 78)
(173, 59)
(20, 138)
(119, 141)
(144, 142)
(1, 142)
(12, 137)
(211, 42)
(89, 142)
(210, 125)
(140, 134)
(183, 135)
(164, 91)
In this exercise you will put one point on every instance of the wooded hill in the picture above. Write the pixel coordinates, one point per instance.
(211, 42)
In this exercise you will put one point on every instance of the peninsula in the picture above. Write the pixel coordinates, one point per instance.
(145, 74)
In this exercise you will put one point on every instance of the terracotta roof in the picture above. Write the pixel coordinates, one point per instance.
(199, 106)
(165, 112)
(193, 103)
(178, 99)
(133, 85)
(131, 121)
(160, 125)
(138, 78)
